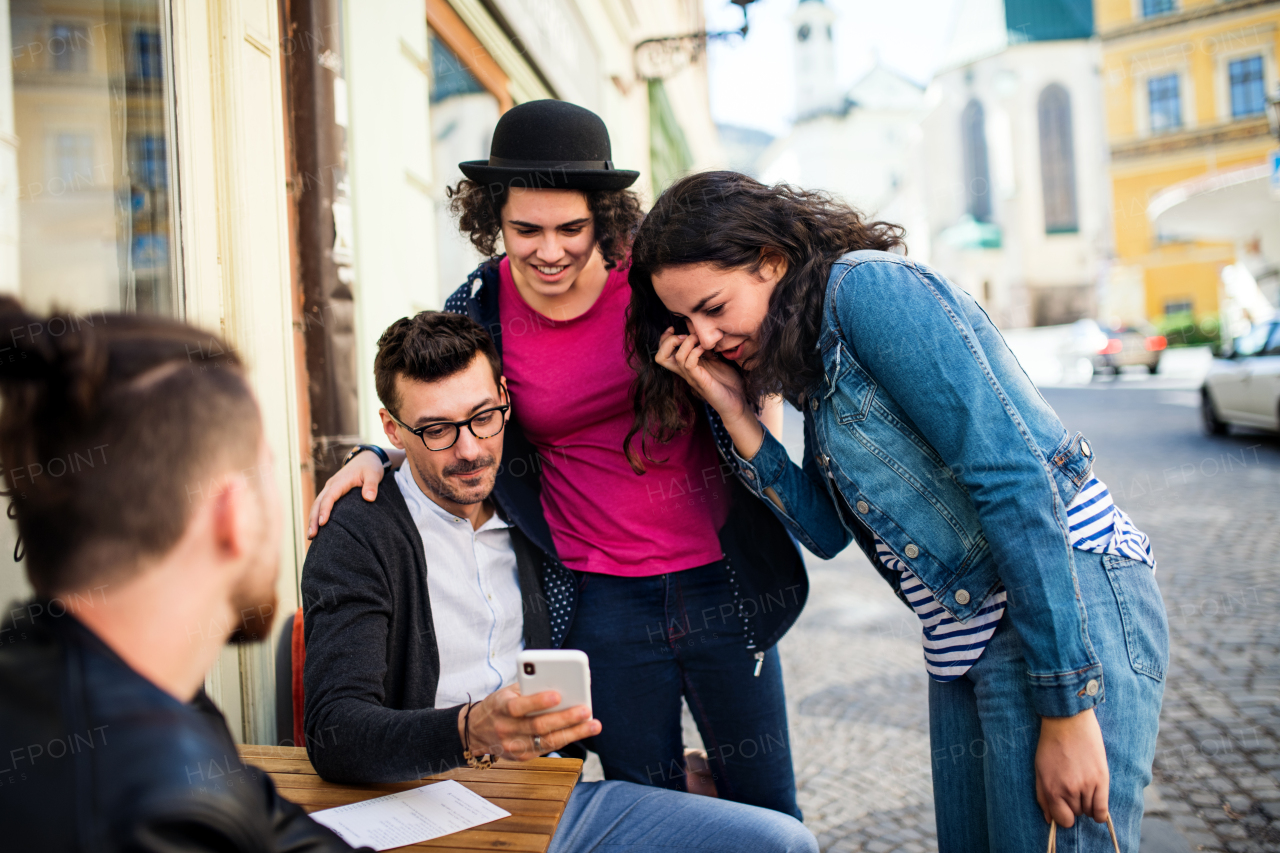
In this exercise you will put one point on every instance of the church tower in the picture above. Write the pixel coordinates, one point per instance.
(816, 86)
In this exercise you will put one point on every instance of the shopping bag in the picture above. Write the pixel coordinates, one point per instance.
(1053, 835)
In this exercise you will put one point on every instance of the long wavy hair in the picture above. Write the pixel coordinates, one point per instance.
(615, 215)
(731, 221)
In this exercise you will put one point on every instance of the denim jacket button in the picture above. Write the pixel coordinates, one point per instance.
(1092, 687)
(813, 404)
(750, 475)
(864, 508)
(962, 596)
(1086, 450)
(912, 552)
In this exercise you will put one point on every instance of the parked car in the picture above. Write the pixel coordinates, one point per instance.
(1129, 345)
(1110, 350)
(1243, 388)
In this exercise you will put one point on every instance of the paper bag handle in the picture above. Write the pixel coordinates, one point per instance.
(1053, 835)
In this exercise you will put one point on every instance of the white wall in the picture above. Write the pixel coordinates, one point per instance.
(1008, 85)
(389, 146)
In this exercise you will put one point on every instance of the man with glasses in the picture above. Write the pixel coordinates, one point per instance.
(416, 604)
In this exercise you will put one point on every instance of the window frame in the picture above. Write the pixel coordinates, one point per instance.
(1140, 10)
(966, 155)
(1222, 75)
(1069, 154)
(1178, 80)
(1262, 86)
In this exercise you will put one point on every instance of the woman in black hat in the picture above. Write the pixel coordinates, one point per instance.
(675, 583)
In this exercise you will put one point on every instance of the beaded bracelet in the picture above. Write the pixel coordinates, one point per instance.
(482, 762)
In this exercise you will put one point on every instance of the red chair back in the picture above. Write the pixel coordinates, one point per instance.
(299, 656)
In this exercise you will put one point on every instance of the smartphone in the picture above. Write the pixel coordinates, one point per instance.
(565, 671)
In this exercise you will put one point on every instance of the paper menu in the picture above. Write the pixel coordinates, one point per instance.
(410, 817)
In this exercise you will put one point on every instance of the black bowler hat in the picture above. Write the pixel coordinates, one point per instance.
(552, 145)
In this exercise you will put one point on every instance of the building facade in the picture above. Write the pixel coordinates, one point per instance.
(856, 142)
(1014, 157)
(1186, 84)
(275, 171)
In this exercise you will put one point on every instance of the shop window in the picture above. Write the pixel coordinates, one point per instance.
(1155, 8)
(1248, 89)
(1165, 103)
(1057, 160)
(977, 173)
(95, 207)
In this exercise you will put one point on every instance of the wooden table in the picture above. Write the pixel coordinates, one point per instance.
(535, 792)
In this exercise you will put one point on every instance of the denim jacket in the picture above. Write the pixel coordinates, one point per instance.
(926, 431)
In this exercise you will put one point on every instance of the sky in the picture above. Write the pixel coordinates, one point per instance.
(752, 80)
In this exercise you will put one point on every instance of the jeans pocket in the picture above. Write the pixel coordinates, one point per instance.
(1142, 614)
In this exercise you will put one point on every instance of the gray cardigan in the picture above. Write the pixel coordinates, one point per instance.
(372, 660)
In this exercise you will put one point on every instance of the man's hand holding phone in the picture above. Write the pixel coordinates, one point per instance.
(501, 724)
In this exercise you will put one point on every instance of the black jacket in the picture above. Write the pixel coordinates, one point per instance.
(766, 569)
(94, 757)
(373, 663)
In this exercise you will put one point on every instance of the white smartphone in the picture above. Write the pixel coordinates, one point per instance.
(565, 671)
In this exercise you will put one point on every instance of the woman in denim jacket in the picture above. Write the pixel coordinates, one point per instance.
(1045, 634)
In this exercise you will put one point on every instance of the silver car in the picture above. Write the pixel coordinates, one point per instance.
(1244, 387)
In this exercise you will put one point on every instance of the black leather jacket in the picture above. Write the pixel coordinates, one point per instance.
(94, 757)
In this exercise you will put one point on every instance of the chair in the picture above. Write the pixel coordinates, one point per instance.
(291, 658)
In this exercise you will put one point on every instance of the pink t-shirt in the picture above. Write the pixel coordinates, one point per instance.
(570, 386)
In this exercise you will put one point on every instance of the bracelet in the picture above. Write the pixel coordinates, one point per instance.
(482, 762)
(373, 448)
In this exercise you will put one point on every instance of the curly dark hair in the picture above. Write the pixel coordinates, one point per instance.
(615, 214)
(734, 222)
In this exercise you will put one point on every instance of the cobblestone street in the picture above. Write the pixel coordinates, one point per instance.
(857, 687)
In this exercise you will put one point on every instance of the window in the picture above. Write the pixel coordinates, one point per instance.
(1153, 8)
(148, 56)
(1057, 161)
(1165, 103)
(977, 174)
(449, 77)
(1182, 306)
(1273, 345)
(69, 47)
(463, 114)
(1248, 90)
(147, 162)
(73, 162)
(1254, 341)
(95, 204)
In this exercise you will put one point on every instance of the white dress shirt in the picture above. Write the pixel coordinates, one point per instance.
(475, 597)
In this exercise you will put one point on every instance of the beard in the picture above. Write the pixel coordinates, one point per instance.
(257, 612)
(440, 486)
(255, 598)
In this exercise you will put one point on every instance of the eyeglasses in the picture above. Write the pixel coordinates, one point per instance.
(444, 434)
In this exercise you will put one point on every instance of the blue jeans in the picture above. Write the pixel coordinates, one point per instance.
(652, 640)
(640, 819)
(984, 728)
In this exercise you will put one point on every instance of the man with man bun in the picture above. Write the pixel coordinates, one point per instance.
(157, 544)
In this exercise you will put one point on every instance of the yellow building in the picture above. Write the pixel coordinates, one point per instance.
(1186, 84)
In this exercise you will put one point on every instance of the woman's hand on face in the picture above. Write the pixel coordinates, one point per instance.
(1071, 769)
(363, 472)
(712, 379)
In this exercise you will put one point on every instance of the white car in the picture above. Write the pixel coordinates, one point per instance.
(1244, 387)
